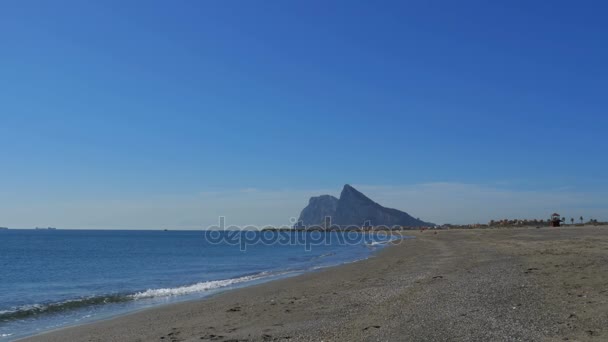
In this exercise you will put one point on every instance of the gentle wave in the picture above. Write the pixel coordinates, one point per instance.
(196, 288)
(376, 243)
(327, 255)
(37, 309)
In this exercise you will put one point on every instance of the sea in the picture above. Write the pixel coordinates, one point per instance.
(50, 279)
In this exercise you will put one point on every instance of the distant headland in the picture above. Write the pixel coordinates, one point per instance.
(354, 209)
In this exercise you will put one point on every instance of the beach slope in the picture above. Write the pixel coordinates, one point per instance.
(458, 285)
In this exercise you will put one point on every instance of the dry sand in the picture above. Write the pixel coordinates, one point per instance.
(522, 284)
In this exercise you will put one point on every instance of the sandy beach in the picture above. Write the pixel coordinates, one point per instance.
(520, 284)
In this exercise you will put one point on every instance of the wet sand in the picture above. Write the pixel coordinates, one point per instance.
(528, 284)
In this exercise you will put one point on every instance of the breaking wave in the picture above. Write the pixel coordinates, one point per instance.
(198, 287)
(26, 311)
(37, 309)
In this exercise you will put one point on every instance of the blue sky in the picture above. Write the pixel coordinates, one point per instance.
(135, 114)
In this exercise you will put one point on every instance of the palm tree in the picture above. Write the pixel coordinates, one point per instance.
(572, 220)
(581, 219)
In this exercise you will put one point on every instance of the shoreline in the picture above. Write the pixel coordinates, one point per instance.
(277, 275)
(215, 292)
(520, 283)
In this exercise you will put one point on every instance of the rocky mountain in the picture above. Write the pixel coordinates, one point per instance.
(318, 208)
(354, 208)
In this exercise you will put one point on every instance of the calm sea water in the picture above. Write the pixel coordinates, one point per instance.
(56, 278)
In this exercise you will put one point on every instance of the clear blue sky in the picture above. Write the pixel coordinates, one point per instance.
(105, 101)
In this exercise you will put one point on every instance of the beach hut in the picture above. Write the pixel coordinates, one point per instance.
(556, 219)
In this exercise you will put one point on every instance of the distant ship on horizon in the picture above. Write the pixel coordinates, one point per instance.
(47, 228)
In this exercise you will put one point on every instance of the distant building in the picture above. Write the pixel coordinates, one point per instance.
(556, 220)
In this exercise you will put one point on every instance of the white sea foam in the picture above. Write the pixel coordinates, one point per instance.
(195, 288)
(376, 243)
(384, 242)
